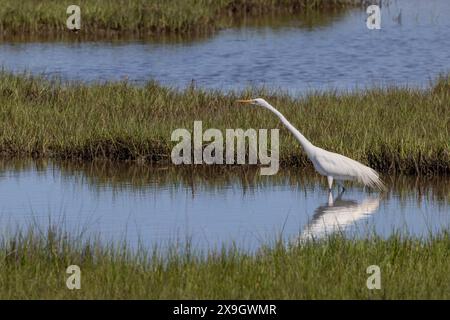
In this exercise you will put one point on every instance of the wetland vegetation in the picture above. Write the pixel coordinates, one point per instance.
(112, 133)
(34, 263)
(391, 129)
(158, 17)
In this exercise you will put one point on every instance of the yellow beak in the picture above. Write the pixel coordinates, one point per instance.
(244, 101)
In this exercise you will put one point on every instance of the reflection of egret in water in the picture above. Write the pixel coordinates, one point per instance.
(338, 215)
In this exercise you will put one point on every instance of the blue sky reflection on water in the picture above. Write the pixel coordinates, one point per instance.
(159, 213)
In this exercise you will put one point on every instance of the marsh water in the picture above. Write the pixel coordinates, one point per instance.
(297, 54)
(211, 207)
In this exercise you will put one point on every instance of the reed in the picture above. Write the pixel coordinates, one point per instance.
(33, 266)
(141, 17)
(392, 129)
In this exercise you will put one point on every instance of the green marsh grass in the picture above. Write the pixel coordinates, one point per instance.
(398, 130)
(142, 17)
(33, 266)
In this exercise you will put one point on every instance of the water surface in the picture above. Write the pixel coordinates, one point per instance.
(211, 206)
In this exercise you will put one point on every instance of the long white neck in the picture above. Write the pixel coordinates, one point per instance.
(307, 146)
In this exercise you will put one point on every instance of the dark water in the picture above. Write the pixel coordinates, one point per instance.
(211, 207)
(336, 52)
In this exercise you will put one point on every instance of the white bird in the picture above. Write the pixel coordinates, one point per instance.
(332, 165)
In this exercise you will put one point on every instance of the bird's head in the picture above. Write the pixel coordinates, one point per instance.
(258, 101)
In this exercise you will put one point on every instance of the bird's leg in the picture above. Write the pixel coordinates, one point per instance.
(338, 198)
(330, 199)
(340, 184)
(330, 182)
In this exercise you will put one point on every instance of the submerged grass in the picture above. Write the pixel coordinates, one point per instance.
(148, 17)
(391, 129)
(33, 266)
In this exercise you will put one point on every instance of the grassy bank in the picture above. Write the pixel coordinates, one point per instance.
(148, 17)
(33, 266)
(393, 130)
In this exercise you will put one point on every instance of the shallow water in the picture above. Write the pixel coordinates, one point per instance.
(339, 53)
(210, 206)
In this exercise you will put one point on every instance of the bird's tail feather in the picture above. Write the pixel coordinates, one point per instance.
(371, 178)
(363, 173)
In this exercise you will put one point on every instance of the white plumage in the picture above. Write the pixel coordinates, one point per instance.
(342, 168)
(332, 165)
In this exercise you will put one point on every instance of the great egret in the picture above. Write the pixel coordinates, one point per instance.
(332, 165)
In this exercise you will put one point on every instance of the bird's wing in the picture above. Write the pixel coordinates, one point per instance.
(340, 166)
